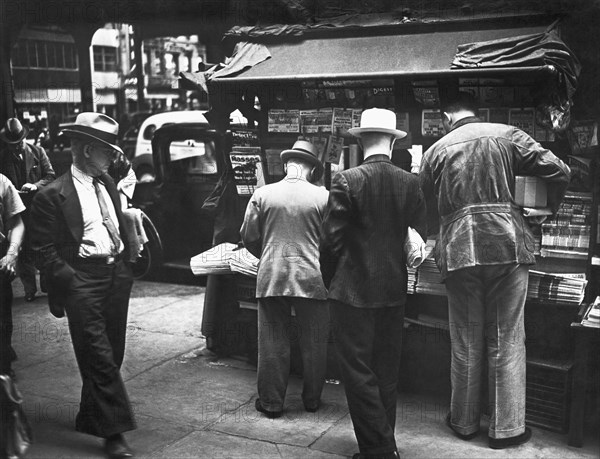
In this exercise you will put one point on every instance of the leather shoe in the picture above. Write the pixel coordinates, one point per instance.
(29, 297)
(269, 414)
(467, 437)
(501, 443)
(116, 448)
(312, 407)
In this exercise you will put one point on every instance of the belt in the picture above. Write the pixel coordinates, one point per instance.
(103, 260)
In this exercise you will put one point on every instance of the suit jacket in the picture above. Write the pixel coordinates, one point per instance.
(281, 227)
(57, 230)
(362, 239)
(38, 169)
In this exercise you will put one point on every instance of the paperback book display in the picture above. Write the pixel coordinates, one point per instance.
(556, 288)
(568, 234)
(542, 286)
(591, 318)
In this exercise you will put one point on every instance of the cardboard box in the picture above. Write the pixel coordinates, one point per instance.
(530, 191)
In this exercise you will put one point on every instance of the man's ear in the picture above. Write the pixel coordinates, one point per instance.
(86, 150)
(447, 117)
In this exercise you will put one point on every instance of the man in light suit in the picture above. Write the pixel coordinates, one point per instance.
(364, 266)
(77, 230)
(281, 227)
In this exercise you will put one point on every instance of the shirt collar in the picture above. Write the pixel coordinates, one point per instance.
(81, 176)
(466, 120)
(377, 158)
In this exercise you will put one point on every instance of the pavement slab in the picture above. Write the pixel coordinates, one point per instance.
(193, 391)
(214, 445)
(189, 403)
(296, 426)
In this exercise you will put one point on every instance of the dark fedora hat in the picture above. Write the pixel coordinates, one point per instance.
(305, 150)
(13, 131)
(96, 126)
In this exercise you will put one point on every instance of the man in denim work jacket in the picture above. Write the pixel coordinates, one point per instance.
(484, 251)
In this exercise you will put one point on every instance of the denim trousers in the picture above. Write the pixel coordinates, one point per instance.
(486, 314)
(369, 342)
(276, 332)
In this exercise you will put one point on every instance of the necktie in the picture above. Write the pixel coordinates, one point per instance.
(106, 220)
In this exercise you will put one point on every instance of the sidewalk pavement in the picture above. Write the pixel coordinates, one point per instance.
(190, 404)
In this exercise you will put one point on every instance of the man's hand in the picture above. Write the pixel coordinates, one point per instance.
(29, 187)
(8, 265)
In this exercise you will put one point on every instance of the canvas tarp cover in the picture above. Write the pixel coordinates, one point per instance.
(522, 51)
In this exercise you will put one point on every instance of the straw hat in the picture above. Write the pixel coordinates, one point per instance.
(378, 120)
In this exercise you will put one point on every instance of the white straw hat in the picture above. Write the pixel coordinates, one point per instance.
(378, 120)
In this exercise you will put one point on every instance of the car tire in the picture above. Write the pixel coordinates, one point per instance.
(151, 257)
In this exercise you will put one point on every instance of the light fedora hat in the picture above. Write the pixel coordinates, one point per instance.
(13, 131)
(305, 150)
(378, 120)
(96, 126)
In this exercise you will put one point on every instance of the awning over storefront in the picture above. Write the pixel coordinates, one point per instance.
(422, 54)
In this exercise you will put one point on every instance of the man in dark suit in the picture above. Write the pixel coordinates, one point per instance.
(28, 168)
(78, 232)
(363, 264)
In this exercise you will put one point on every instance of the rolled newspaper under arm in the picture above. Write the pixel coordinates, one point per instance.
(414, 248)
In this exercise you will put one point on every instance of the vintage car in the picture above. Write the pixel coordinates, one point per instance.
(173, 201)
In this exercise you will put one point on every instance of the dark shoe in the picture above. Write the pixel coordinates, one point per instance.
(501, 443)
(459, 435)
(392, 455)
(116, 448)
(30, 297)
(269, 414)
(312, 407)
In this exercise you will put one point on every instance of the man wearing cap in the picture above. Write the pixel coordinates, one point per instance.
(281, 227)
(29, 169)
(78, 232)
(484, 252)
(363, 263)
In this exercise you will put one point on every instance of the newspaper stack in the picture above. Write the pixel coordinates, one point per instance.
(244, 262)
(214, 261)
(556, 288)
(591, 318)
(411, 286)
(429, 278)
(224, 259)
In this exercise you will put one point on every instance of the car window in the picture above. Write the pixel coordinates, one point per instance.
(149, 131)
(194, 157)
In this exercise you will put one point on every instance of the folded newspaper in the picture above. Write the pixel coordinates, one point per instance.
(224, 258)
(414, 248)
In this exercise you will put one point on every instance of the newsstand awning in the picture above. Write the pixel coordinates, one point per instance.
(422, 54)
